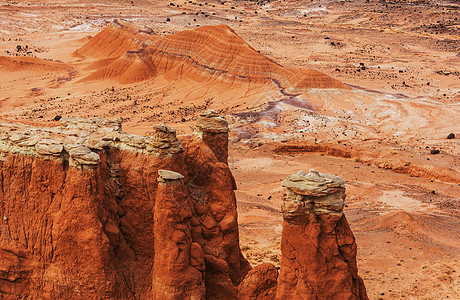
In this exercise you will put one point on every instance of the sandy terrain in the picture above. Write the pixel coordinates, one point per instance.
(400, 59)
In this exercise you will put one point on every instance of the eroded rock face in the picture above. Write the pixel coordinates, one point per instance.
(212, 129)
(259, 284)
(178, 269)
(212, 189)
(318, 248)
(90, 211)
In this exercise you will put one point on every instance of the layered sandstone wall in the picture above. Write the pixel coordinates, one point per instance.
(90, 211)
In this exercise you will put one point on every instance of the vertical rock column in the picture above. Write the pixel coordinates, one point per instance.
(178, 269)
(215, 225)
(212, 128)
(318, 248)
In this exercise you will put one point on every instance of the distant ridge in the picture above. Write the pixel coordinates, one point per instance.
(129, 54)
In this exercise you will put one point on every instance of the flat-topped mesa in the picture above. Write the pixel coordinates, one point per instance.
(80, 140)
(212, 128)
(312, 192)
(318, 248)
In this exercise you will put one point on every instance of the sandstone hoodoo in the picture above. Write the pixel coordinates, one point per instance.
(318, 248)
(212, 129)
(91, 211)
(178, 269)
(212, 190)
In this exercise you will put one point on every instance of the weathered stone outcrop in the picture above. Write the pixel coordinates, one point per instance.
(212, 129)
(178, 269)
(212, 187)
(259, 284)
(88, 211)
(78, 140)
(318, 248)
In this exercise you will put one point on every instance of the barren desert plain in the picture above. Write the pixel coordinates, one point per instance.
(367, 90)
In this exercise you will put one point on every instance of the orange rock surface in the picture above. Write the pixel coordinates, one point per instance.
(90, 211)
(318, 248)
(129, 54)
(401, 64)
(178, 269)
(212, 188)
(260, 283)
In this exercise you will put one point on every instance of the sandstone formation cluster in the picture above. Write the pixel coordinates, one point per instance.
(89, 211)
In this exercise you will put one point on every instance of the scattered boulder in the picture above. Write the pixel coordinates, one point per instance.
(450, 136)
(434, 151)
(166, 175)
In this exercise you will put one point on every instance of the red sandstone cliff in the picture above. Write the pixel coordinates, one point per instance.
(91, 212)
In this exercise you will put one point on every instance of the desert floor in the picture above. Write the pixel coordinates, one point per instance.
(400, 59)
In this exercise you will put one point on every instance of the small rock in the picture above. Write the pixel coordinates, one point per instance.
(165, 175)
(434, 151)
(57, 118)
(82, 155)
(48, 147)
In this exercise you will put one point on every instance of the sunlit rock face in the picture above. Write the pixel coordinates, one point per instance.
(89, 211)
(318, 248)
